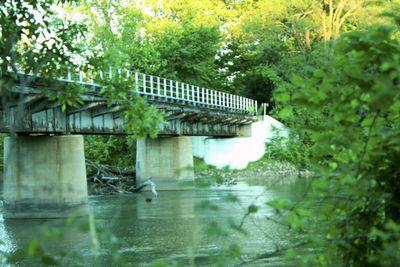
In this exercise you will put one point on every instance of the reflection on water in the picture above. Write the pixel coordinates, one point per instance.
(183, 227)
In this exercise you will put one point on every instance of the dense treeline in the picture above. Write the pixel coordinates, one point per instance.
(324, 66)
(235, 46)
(251, 48)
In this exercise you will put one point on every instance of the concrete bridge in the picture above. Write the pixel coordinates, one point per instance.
(44, 160)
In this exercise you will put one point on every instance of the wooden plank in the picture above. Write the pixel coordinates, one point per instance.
(86, 107)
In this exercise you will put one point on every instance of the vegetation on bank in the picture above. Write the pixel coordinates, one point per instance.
(266, 170)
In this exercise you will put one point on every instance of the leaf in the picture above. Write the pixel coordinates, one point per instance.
(33, 247)
(298, 81)
(286, 112)
(252, 209)
(278, 204)
(234, 251)
(49, 260)
(303, 212)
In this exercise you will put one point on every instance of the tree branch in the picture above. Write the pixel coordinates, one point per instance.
(272, 254)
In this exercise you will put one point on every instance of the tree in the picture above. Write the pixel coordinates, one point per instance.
(119, 37)
(353, 125)
(35, 39)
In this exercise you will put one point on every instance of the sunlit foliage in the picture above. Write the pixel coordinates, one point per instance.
(353, 129)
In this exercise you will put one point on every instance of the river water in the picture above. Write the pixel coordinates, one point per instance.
(180, 228)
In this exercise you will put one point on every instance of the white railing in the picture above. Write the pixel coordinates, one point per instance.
(161, 88)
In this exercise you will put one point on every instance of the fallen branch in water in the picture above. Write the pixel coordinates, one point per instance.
(143, 185)
(110, 179)
(106, 172)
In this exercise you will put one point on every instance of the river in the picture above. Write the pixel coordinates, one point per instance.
(179, 228)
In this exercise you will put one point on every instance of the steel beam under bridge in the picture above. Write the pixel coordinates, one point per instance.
(188, 110)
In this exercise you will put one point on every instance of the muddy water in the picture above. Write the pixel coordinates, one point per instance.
(180, 228)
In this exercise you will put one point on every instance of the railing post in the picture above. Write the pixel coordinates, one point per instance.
(144, 83)
(158, 86)
(183, 90)
(137, 81)
(188, 92)
(171, 88)
(80, 76)
(177, 89)
(265, 105)
(151, 85)
(165, 87)
(198, 94)
(207, 97)
(203, 99)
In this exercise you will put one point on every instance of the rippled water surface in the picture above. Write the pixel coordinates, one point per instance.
(190, 228)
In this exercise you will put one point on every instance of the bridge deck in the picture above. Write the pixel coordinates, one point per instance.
(188, 109)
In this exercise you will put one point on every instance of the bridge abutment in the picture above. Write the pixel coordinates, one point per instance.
(44, 176)
(166, 160)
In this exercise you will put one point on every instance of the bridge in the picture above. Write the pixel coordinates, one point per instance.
(188, 110)
(44, 161)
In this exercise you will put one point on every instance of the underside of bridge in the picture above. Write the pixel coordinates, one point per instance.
(31, 112)
(45, 174)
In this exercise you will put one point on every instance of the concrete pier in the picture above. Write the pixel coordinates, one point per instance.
(44, 176)
(167, 160)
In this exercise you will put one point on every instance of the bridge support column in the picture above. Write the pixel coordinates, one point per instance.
(44, 176)
(165, 159)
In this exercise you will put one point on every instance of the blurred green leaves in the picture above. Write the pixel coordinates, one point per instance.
(347, 118)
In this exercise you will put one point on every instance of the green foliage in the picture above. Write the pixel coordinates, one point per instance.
(201, 166)
(289, 148)
(111, 150)
(34, 38)
(353, 137)
(67, 95)
(140, 118)
(188, 53)
(342, 105)
(118, 36)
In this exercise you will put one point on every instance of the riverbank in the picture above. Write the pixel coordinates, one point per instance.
(265, 170)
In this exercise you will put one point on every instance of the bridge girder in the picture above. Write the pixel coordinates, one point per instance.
(31, 112)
